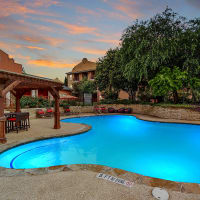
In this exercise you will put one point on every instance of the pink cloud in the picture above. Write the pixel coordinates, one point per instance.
(92, 51)
(42, 3)
(129, 8)
(73, 28)
(87, 11)
(10, 7)
(113, 14)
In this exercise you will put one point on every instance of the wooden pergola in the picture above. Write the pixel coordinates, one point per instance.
(18, 85)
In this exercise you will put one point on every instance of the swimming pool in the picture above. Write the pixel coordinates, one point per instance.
(161, 150)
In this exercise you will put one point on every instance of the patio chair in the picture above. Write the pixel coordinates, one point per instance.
(128, 110)
(100, 109)
(66, 110)
(111, 110)
(22, 121)
(121, 110)
(40, 113)
(49, 112)
(10, 122)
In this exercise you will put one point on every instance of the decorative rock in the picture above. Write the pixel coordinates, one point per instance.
(65, 169)
(119, 171)
(56, 167)
(191, 188)
(161, 194)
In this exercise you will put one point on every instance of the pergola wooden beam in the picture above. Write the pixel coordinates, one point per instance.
(9, 87)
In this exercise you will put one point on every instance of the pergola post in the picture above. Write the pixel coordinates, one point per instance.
(56, 96)
(57, 113)
(18, 97)
(2, 121)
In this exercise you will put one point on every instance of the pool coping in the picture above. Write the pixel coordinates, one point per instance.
(136, 178)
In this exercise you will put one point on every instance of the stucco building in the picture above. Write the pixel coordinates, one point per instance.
(8, 64)
(86, 69)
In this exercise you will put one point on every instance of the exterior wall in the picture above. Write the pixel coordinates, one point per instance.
(89, 75)
(64, 93)
(8, 64)
(123, 95)
(70, 80)
(80, 77)
(43, 93)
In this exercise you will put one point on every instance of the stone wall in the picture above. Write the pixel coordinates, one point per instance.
(156, 111)
(162, 112)
(73, 109)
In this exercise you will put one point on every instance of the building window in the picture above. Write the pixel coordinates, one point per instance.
(70, 77)
(76, 77)
(85, 75)
(92, 75)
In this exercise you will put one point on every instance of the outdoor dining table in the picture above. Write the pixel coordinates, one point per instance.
(16, 121)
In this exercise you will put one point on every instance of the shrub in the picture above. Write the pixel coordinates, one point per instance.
(33, 102)
(30, 102)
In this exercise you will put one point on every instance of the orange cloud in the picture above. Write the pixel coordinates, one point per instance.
(50, 63)
(90, 51)
(37, 48)
(129, 8)
(73, 28)
(10, 7)
(19, 56)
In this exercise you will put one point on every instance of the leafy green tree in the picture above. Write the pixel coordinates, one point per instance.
(166, 39)
(87, 86)
(149, 45)
(66, 82)
(109, 75)
(106, 71)
(168, 80)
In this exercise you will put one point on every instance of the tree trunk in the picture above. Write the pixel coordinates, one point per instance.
(194, 99)
(175, 96)
(131, 95)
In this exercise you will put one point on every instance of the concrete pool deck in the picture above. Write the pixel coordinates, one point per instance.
(79, 181)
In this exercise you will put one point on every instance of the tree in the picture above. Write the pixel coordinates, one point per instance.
(168, 80)
(109, 75)
(87, 86)
(66, 82)
(168, 40)
(149, 45)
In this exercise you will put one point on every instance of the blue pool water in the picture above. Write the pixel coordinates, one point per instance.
(162, 150)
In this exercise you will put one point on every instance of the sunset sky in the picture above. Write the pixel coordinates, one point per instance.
(48, 37)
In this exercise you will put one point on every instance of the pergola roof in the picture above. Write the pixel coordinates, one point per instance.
(27, 81)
